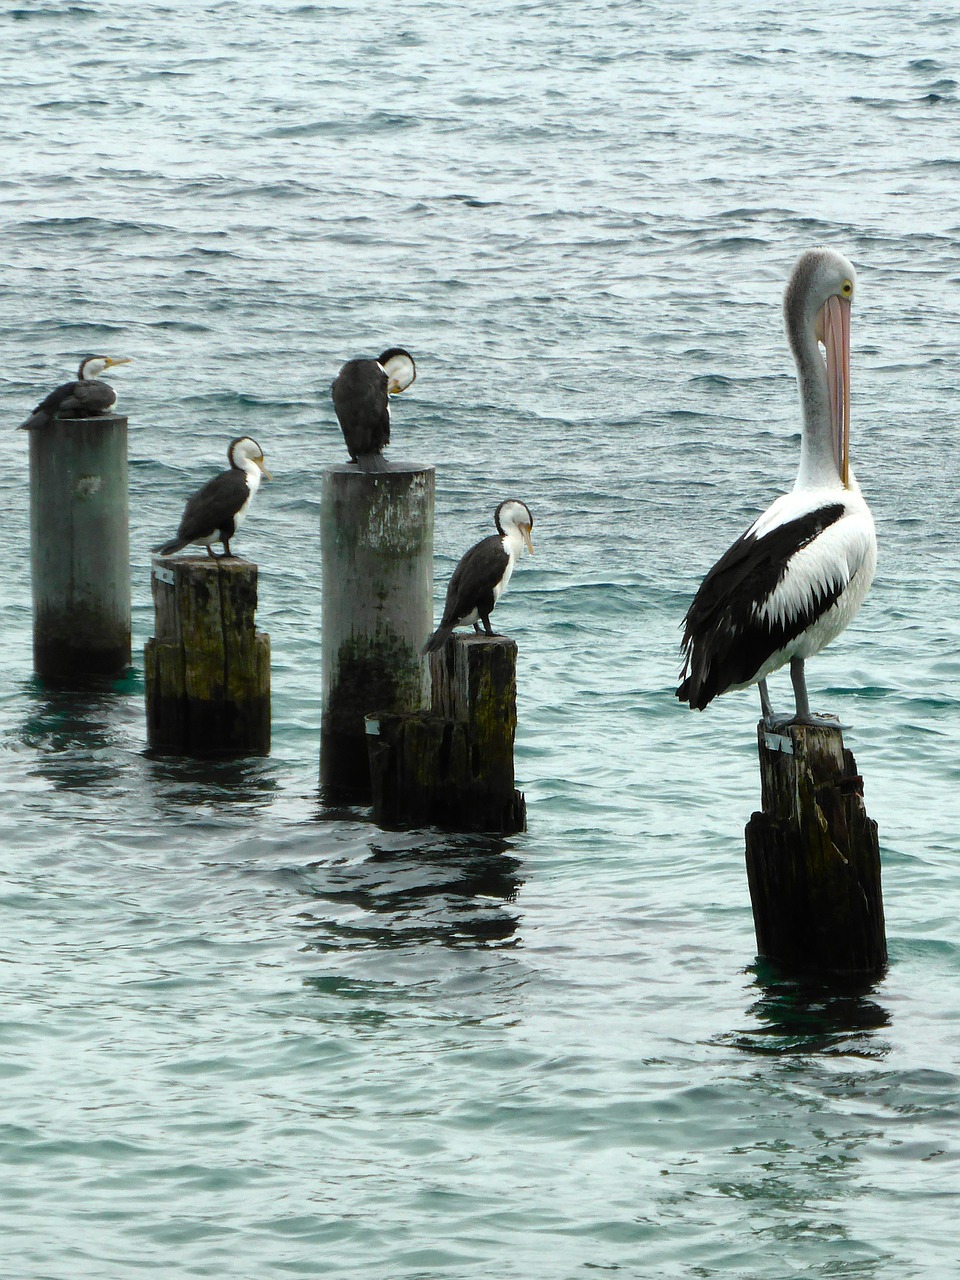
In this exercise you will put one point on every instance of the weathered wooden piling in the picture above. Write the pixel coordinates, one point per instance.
(813, 858)
(376, 534)
(207, 669)
(453, 767)
(80, 548)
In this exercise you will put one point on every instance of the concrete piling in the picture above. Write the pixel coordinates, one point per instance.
(80, 548)
(376, 533)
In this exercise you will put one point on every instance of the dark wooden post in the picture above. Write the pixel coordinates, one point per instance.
(207, 670)
(80, 548)
(453, 767)
(813, 858)
(376, 535)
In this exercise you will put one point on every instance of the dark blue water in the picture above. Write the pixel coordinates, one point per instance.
(244, 1036)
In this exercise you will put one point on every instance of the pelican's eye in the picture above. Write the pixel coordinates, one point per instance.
(847, 288)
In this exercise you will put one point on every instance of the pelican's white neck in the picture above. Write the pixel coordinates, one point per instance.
(818, 462)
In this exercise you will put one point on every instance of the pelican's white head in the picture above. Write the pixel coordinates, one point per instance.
(816, 309)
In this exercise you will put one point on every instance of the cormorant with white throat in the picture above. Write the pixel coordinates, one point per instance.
(85, 398)
(360, 394)
(215, 511)
(481, 577)
(799, 574)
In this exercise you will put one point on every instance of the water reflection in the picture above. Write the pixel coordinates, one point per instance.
(79, 736)
(180, 784)
(807, 1016)
(452, 890)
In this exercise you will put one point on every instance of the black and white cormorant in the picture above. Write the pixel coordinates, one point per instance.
(84, 398)
(360, 393)
(481, 577)
(215, 511)
(799, 574)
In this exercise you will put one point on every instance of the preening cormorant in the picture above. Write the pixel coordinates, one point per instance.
(360, 393)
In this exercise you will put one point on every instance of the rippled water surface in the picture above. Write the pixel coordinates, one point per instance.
(246, 1036)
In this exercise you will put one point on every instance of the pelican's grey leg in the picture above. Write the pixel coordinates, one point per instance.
(800, 690)
(766, 709)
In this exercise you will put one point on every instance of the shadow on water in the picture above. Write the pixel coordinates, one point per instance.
(424, 889)
(80, 737)
(808, 1016)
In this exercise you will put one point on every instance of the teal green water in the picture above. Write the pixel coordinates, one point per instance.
(245, 1036)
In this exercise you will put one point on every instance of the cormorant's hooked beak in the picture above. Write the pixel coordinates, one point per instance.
(835, 319)
(120, 360)
(525, 530)
(259, 462)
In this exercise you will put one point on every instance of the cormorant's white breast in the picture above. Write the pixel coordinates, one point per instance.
(214, 512)
(481, 577)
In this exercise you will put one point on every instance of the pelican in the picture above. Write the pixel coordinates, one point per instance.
(84, 398)
(360, 394)
(215, 511)
(799, 574)
(481, 577)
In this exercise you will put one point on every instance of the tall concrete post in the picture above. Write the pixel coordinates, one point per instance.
(80, 548)
(376, 536)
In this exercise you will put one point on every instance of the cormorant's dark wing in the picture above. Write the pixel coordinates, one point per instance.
(211, 510)
(72, 400)
(359, 394)
(214, 506)
(471, 585)
(727, 637)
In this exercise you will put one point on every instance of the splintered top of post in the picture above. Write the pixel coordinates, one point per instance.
(202, 563)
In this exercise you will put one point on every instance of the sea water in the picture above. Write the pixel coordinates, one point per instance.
(247, 1036)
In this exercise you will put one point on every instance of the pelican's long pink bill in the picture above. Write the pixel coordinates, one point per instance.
(836, 340)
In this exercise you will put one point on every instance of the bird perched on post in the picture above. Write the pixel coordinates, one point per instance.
(84, 398)
(360, 394)
(799, 574)
(481, 577)
(214, 512)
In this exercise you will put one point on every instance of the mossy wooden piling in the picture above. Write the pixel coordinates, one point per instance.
(813, 857)
(453, 767)
(207, 669)
(376, 535)
(80, 548)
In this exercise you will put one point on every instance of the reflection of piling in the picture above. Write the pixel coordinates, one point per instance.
(376, 533)
(813, 859)
(207, 670)
(80, 548)
(453, 767)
